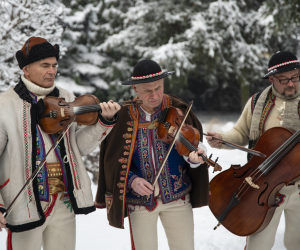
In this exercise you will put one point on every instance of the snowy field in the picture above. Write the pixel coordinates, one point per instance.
(93, 231)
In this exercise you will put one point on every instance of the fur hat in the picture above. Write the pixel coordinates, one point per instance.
(36, 49)
(282, 61)
(146, 71)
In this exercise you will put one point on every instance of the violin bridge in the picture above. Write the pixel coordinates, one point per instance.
(171, 130)
(62, 112)
(250, 182)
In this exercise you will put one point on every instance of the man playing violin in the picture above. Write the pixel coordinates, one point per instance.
(276, 106)
(45, 214)
(130, 157)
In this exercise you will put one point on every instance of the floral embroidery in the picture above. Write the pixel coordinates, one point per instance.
(127, 136)
(178, 180)
(270, 102)
(120, 185)
(130, 123)
(123, 160)
(69, 205)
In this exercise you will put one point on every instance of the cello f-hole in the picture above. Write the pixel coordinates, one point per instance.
(234, 173)
(262, 204)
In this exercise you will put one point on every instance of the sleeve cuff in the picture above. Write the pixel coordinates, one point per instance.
(131, 179)
(100, 205)
(105, 122)
(192, 164)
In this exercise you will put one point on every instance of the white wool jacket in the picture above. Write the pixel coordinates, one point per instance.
(18, 154)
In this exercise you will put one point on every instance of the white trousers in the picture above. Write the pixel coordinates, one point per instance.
(291, 207)
(57, 233)
(176, 218)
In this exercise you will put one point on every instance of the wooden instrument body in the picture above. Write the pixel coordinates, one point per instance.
(64, 113)
(257, 206)
(173, 119)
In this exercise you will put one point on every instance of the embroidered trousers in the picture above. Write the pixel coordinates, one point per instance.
(176, 218)
(291, 207)
(58, 232)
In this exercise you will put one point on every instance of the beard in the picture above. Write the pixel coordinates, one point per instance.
(289, 89)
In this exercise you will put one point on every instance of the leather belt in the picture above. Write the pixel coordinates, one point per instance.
(55, 179)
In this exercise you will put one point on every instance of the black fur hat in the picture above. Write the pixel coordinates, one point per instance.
(146, 71)
(36, 49)
(282, 61)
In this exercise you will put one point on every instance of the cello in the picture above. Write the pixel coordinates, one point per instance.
(243, 199)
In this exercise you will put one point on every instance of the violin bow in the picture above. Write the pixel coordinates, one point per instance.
(232, 145)
(34, 174)
(169, 150)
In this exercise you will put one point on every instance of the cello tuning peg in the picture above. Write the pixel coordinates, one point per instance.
(124, 98)
(210, 156)
(216, 159)
(131, 97)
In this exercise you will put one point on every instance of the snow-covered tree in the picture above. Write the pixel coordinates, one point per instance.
(82, 66)
(217, 44)
(285, 23)
(19, 20)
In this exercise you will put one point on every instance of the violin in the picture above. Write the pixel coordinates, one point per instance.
(188, 138)
(243, 199)
(57, 114)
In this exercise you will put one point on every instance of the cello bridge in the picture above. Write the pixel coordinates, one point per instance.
(250, 182)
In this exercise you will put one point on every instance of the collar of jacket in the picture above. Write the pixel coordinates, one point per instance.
(23, 92)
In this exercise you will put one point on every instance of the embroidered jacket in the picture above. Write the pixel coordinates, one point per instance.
(18, 149)
(250, 127)
(149, 152)
(118, 154)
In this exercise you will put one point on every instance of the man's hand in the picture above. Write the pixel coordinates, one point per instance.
(214, 143)
(109, 109)
(2, 222)
(142, 187)
(195, 158)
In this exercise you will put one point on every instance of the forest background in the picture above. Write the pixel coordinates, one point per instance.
(219, 50)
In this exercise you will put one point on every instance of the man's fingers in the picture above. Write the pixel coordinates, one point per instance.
(148, 185)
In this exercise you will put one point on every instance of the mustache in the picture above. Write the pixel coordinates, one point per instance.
(290, 88)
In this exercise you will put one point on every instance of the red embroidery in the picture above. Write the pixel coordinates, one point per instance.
(2, 186)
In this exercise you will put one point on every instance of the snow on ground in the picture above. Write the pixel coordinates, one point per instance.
(93, 231)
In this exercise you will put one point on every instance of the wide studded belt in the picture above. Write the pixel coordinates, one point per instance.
(55, 179)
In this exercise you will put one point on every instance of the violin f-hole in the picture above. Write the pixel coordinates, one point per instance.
(262, 204)
(60, 103)
(61, 121)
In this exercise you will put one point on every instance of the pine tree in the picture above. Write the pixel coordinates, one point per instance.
(19, 20)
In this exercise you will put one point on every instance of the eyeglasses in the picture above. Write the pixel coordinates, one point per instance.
(286, 81)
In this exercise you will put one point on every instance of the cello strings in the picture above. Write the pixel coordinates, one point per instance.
(286, 147)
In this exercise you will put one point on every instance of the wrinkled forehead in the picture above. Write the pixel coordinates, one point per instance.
(150, 85)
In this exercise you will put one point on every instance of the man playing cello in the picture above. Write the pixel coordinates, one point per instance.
(276, 106)
(129, 159)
